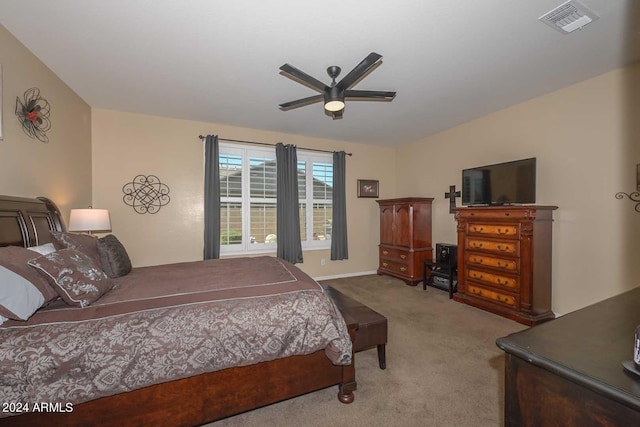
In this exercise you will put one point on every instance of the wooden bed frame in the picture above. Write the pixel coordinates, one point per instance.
(186, 402)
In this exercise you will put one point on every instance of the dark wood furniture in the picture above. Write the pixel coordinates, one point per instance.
(190, 401)
(434, 266)
(405, 237)
(372, 326)
(568, 372)
(504, 260)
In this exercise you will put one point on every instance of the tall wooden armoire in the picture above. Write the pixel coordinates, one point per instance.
(405, 237)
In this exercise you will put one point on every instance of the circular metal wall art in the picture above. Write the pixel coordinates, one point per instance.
(33, 114)
(146, 194)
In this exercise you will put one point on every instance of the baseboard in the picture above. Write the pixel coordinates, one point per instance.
(340, 276)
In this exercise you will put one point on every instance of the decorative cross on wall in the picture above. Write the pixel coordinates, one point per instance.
(451, 195)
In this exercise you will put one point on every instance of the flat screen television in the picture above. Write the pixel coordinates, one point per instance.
(500, 184)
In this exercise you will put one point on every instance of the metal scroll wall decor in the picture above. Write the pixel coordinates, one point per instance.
(146, 194)
(635, 196)
(33, 113)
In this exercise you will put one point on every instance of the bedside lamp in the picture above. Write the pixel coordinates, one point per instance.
(89, 220)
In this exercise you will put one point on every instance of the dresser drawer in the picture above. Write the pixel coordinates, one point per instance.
(396, 267)
(511, 283)
(492, 296)
(506, 247)
(394, 254)
(507, 265)
(495, 230)
(498, 214)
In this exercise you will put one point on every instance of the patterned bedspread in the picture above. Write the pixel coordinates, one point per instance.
(168, 322)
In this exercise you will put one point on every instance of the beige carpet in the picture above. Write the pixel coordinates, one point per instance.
(443, 367)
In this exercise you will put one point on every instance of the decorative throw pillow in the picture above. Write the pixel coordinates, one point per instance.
(75, 276)
(15, 258)
(80, 242)
(113, 257)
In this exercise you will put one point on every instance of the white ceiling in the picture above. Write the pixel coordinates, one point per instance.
(214, 61)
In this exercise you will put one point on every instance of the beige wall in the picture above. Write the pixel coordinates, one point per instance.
(585, 138)
(60, 169)
(125, 145)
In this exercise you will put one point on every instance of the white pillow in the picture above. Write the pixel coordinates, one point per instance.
(19, 298)
(45, 249)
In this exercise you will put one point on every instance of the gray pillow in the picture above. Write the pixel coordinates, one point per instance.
(113, 256)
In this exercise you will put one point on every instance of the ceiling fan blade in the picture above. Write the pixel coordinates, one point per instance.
(369, 95)
(301, 102)
(302, 77)
(359, 71)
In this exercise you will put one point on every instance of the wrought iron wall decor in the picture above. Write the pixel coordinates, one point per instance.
(146, 194)
(33, 114)
(635, 196)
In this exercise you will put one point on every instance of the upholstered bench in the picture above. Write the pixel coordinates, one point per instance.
(372, 326)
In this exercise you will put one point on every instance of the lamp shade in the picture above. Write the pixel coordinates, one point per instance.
(89, 220)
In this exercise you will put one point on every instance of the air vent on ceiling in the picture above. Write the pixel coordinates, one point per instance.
(568, 17)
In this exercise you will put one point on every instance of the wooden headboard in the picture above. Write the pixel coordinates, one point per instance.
(26, 222)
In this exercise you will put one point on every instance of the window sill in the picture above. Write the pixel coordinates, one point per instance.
(270, 251)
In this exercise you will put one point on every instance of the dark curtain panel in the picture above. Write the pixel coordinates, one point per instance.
(288, 222)
(339, 246)
(211, 198)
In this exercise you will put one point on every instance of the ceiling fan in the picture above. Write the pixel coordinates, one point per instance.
(335, 94)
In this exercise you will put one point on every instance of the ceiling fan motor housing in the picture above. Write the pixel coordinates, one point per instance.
(333, 98)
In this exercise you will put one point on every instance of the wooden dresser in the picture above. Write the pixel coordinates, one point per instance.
(405, 237)
(569, 372)
(504, 260)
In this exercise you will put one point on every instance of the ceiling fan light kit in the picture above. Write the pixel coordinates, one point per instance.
(335, 99)
(334, 94)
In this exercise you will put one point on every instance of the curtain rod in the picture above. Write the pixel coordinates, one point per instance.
(269, 144)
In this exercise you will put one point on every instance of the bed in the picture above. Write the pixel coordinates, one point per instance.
(199, 386)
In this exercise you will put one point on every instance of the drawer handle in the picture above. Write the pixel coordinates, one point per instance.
(476, 276)
(500, 282)
(384, 264)
(476, 229)
(403, 268)
(501, 231)
(499, 264)
(478, 260)
(476, 245)
(403, 256)
(477, 291)
(503, 248)
(500, 299)
(385, 252)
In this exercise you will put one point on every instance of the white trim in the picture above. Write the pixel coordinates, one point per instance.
(340, 276)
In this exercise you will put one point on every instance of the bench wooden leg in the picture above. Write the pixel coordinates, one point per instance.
(382, 357)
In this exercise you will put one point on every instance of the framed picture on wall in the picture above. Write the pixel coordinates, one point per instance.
(368, 188)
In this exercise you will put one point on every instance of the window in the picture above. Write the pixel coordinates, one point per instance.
(248, 192)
